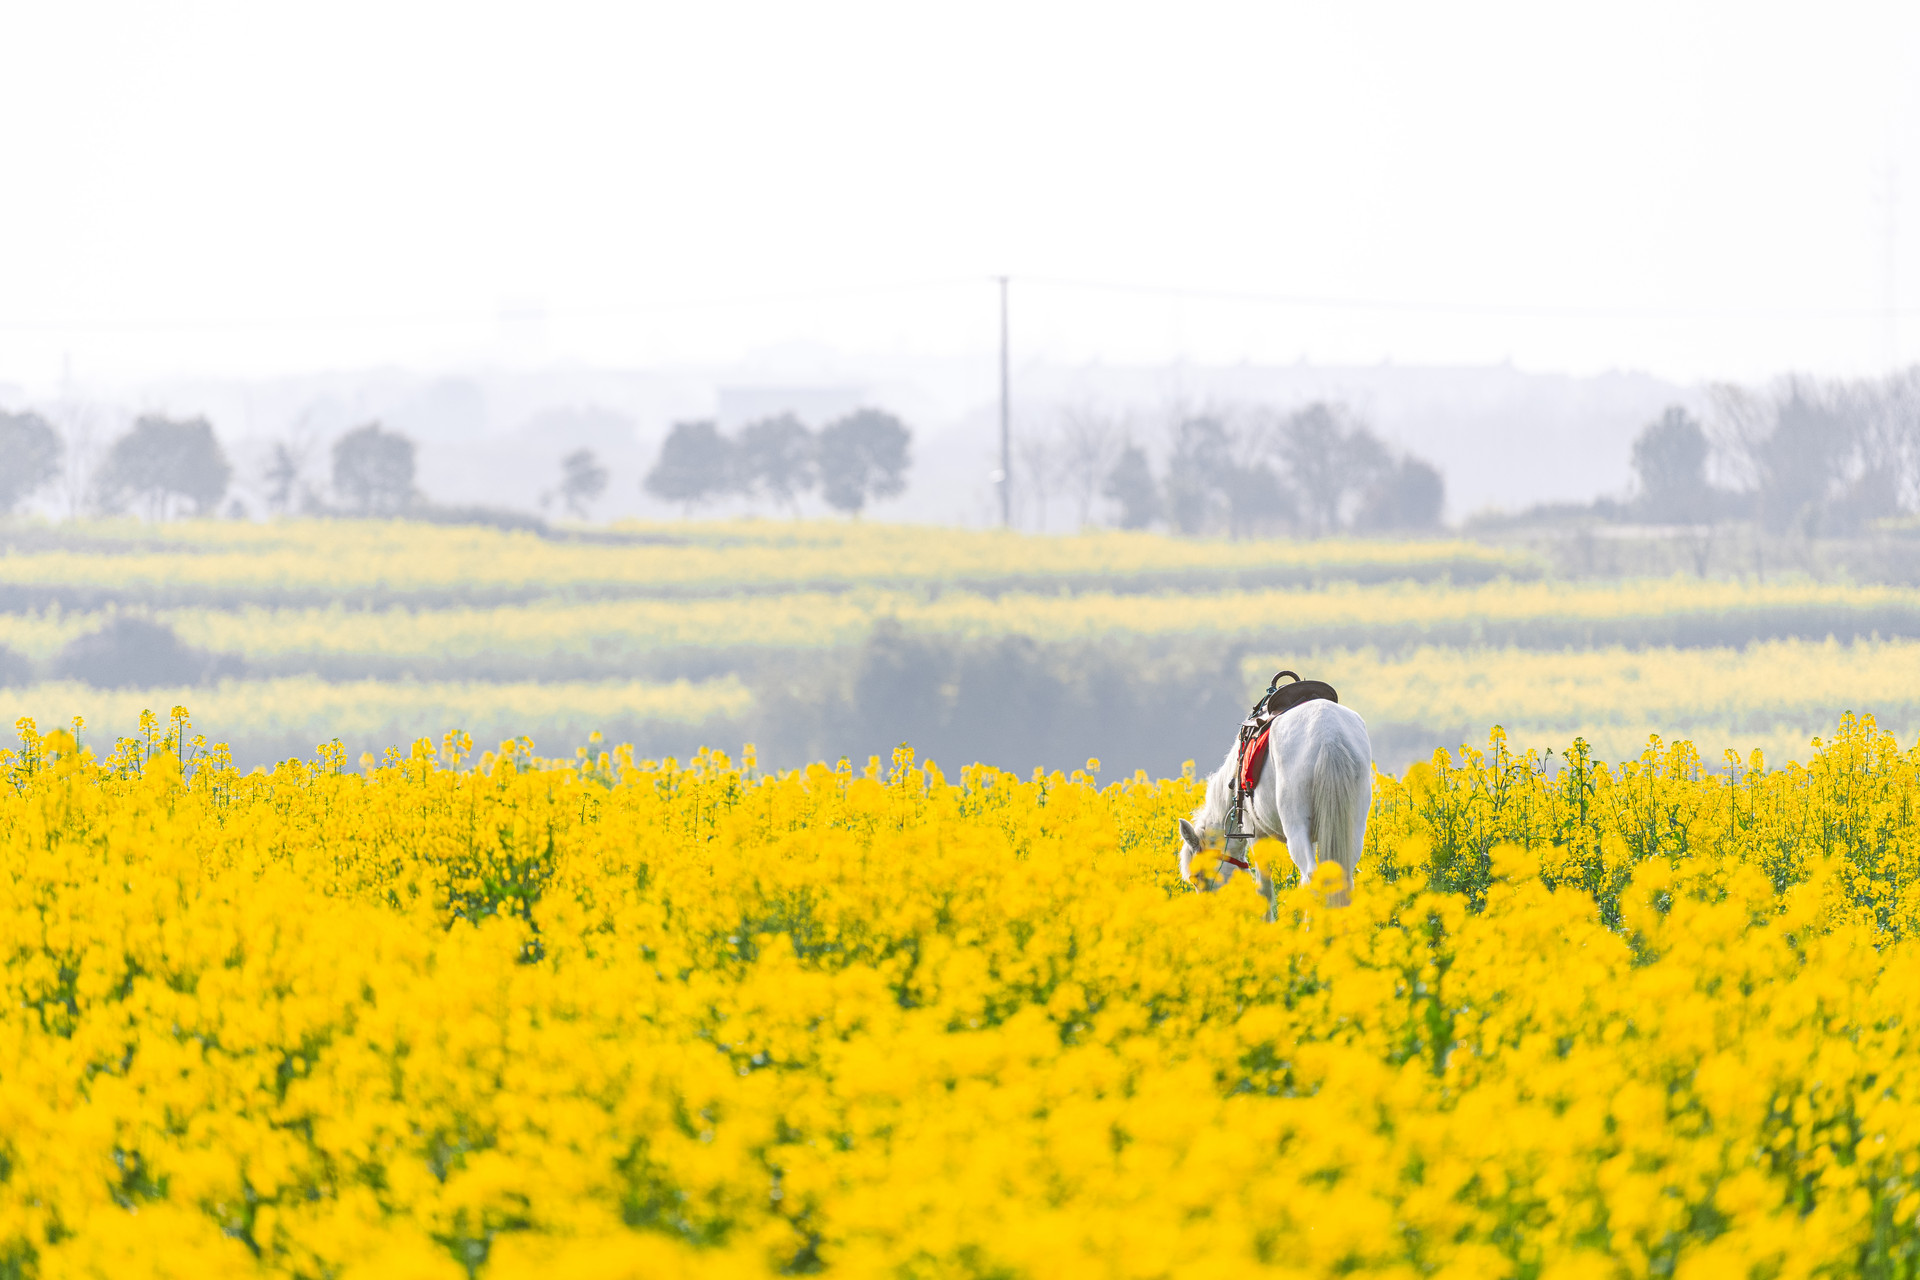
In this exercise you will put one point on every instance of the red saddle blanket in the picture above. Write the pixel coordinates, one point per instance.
(1254, 758)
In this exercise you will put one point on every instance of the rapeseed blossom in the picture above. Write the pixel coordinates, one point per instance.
(608, 1017)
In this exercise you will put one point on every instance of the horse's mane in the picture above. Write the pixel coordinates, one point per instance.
(1212, 813)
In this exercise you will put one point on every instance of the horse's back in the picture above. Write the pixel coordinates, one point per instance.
(1323, 731)
(1327, 765)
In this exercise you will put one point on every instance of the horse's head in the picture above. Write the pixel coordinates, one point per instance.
(1212, 870)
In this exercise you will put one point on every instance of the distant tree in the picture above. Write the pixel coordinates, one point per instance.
(1037, 455)
(1802, 458)
(79, 423)
(775, 457)
(1130, 484)
(284, 475)
(1408, 497)
(1330, 463)
(164, 461)
(696, 464)
(1090, 444)
(373, 471)
(135, 653)
(1890, 442)
(1257, 501)
(582, 481)
(1197, 471)
(30, 452)
(863, 456)
(1670, 463)
(1220, 477)
(1820, 457)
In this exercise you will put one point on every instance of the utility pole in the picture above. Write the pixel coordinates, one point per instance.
(1006, 421)
(1893, 266)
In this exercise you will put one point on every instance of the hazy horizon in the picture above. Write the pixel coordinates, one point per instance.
(1503, 438)
(217, 191)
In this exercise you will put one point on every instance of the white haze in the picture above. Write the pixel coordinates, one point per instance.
(1692, 191)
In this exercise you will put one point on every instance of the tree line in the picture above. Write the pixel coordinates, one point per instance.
(1802, 456)
(165, 467)
(1315, 471)
(852, 461)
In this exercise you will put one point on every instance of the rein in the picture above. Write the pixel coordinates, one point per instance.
(1243, 794)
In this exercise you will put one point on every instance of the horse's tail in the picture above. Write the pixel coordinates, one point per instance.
(1338, 796)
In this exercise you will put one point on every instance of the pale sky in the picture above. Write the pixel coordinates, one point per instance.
(1700, 191)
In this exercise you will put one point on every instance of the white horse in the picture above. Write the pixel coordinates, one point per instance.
(1313, 794)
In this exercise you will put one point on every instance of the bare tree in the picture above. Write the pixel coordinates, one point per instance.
(1891, 436)
(81, 424)
(1038, 457)
(285, 472)
(1331, 462)
(1818, 457)
(1090, 443)
(1739, 420)
(1200, 459)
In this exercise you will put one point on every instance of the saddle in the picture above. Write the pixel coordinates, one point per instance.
(1258, 726)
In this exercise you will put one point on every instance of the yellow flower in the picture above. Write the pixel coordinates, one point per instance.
(607, 1017)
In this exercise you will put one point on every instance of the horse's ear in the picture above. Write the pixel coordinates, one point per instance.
(1189, 846)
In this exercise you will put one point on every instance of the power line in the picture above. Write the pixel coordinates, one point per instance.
(1437, 307)
(1006, 419)
(1302, 301)
(432, 318)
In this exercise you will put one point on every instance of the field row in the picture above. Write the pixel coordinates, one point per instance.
(269, 720)
(1772, 696)
(371, 562)
(558, 639)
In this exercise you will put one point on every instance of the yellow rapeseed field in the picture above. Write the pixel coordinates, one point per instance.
(374, 711)
(607, 1017)
(239, 561)
(1773, 695)
(805, 619)
(1538, 614)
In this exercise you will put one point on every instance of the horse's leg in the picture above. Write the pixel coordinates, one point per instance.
(1296, 825)
(1268, 821)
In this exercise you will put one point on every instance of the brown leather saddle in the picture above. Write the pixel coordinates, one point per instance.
(1255, 729)
(1282, 698)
